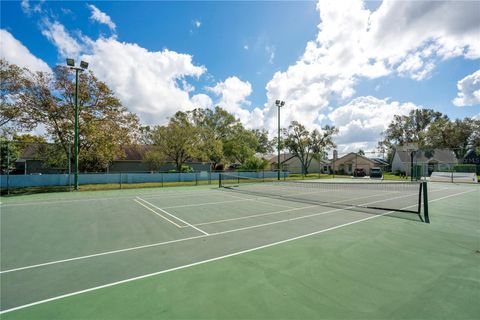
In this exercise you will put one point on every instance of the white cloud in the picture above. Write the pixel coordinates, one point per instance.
(197, 23)
(66, 44)
(15, 52)
(245, 47)
(407, 38)
(270, 51)
(101, 17)
(468, 90)
(202, 101)
(232, 96)
(25, 4)
(362, 120)
(150, 83)
(27, 9)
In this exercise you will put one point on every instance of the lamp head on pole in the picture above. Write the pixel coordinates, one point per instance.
(279, 103)
(71, 63)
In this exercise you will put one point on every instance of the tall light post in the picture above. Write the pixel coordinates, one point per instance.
(279, 104)
(83, 66)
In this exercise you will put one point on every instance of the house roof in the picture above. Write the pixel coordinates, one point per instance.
(380, 161)
(440, 155)
(353, 155)
(284, 157)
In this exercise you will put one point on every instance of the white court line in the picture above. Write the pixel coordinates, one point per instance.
(282, 211)
(210, 260)
(168, 242)
(255, 215)
(256, 200)
(171, 215)
(164, 194)
(158, 214)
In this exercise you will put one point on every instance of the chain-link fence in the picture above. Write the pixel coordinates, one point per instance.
(37, 166)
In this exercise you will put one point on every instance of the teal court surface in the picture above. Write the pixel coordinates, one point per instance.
(294, 251)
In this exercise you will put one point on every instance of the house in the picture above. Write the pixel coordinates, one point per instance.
(32, 161)
(430, 161)
(292, 164)
(351, 161)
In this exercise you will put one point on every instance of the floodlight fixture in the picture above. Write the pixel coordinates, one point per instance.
(70, 62)
(83, 65)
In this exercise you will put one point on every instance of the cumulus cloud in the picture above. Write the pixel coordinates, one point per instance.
(55, 32)
(101, 17)
(150, 83)
(468, 91)
(15, 52)
(406, 38)
(232, 96)
(153, 84)
(202, 101)
(362, 120)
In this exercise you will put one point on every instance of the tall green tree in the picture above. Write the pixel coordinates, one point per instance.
(458, 135)
(104, 123)
(264, 144)
(178, 140)
(306, 145)
(12, 83)
(411, 128)
(241, 146)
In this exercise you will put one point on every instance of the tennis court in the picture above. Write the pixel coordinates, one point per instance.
(254, 252)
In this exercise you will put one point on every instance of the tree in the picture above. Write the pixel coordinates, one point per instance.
(241, 146)
(305, 145)
(12, 84)
(254, 163)
(458, 135)
(155, 158)
(215, 127)
(411, 128)
(264, 145)
(223, 137)
(9, 153)
(360, 152)
(104, 123)
(177, 140)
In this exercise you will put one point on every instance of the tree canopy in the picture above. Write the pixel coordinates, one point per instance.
(432, 130)
(306, 145)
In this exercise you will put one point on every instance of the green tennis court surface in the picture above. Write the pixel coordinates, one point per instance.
(203, 252)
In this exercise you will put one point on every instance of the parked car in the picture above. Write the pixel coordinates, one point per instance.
(359, 172)
(376, 173)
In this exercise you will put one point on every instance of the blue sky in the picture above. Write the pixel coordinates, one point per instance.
(353, 64)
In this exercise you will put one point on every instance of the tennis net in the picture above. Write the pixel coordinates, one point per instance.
(407, 197)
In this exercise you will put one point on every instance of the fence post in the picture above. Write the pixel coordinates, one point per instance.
(196, 178)
(70, 168)
(8, 169)
(161, 175)
(120, 179)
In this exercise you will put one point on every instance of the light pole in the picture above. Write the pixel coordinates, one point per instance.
(83, 66)
(279, 104)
